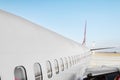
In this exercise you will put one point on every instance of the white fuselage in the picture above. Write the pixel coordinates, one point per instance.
(23, 43)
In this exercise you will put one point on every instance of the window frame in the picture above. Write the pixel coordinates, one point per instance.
(70, 62)
(61, 64)
(66, 63)
(49, 69)
(22, 68)
(56, 65)
(72, 58)
(39, 74)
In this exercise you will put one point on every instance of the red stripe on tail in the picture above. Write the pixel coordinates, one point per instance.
(84, 39)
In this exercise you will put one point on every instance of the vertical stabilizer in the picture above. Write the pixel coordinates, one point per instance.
(84, 39)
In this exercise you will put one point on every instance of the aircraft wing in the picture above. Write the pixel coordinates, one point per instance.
(95, 49)
(102, 72)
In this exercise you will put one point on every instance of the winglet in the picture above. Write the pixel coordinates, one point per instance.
(84, 39)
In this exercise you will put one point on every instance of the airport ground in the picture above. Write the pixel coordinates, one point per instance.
(105, 59)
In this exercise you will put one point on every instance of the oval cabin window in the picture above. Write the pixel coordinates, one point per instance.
(49, 69)
(61, 64)
(70, 64)
(72, 60)
(56, 66)
(20, 73)
(66, 63)
(75, 57)
(38, 71)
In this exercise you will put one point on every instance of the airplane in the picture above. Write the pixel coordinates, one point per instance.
(31, 52)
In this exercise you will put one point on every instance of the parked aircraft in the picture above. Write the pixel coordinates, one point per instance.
(31, 52)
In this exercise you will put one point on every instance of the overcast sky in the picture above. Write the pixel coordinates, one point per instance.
(67, 17)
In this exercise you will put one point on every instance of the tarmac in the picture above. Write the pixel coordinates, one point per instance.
(105, 59)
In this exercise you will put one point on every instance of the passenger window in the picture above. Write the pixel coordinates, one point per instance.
(75, 59)
(79, 58)
(49, 69)
(38, 71)
(66, 63)
(56, 66)
(72, 60)
(20, 73)
(70, 64)
(61, 64)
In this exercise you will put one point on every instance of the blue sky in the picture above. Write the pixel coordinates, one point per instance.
(67, 17)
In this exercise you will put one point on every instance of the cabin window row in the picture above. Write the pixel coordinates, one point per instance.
(64, 63)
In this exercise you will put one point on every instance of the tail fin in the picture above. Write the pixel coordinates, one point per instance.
(84, 39)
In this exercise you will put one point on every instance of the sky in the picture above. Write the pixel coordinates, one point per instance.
(67, 17)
